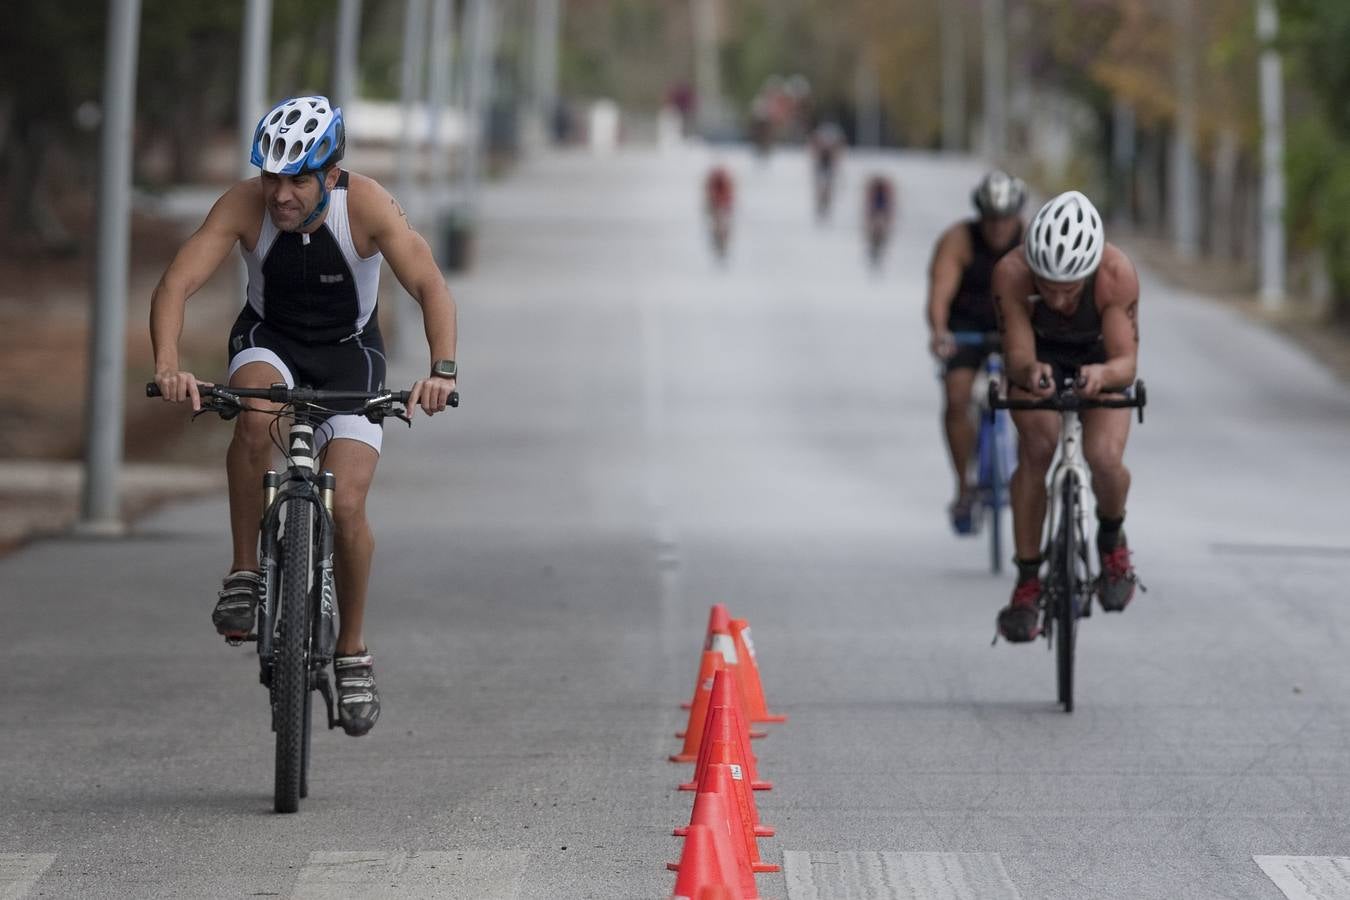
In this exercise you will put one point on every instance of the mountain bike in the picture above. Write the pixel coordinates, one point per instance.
(296, 627)
(1070, 579)
(995, 445)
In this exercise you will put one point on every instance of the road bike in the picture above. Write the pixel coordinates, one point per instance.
(296, 629)
(1070, 579)
(995, 446)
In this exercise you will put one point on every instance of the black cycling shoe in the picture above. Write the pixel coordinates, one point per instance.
(1020, 621)
(358, 702)
(238, 603)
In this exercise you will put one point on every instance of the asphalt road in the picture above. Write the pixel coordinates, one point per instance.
(645, 433)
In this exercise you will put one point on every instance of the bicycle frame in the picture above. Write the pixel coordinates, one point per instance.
(299, 485)
(1070, 459)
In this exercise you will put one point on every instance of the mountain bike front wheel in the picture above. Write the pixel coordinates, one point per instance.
(290, 681)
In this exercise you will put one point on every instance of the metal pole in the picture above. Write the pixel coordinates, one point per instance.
(253, 72)
(482, 52)
(344, 62)
(1184, 198)
(1123, 149)
(107, 345)
(438, 97)
(869, 105)
(414, 42)
(1272, 160)
(547, 34)
(953, 79)
(707, 73)
(414, 31)
(995, 80)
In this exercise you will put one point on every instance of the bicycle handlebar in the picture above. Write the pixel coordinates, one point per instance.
(376, 402)
(1067, 401)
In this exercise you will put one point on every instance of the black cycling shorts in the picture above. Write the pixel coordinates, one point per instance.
(354, 364)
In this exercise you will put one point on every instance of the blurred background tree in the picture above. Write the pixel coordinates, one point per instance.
(1092, 92)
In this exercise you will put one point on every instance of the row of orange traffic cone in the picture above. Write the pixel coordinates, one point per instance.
(721, 853)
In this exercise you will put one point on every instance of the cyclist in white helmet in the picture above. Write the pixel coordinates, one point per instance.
(1068, 306)
(313, 236)
(960, 300)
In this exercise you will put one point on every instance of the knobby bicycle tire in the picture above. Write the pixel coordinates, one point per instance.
(289, 666)
(1066, 612)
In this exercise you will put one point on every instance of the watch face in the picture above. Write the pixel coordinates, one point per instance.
(444, 368)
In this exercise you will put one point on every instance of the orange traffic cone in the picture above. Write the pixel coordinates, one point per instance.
(725, 701)
(722, 739)
(721, 816)
(709, 665)
(718, 637)
(701, 866)
(747, 671)
(729, 781)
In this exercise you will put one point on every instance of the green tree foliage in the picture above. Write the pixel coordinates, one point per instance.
(1316, 34)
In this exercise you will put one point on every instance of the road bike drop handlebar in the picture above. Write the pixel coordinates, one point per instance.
(227, 401)
(1067, 401)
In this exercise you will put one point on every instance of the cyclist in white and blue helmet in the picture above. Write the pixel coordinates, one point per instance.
(313, 236)
(1068, 305)
(301, 136)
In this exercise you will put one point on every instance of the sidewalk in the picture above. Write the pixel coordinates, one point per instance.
(41, 498)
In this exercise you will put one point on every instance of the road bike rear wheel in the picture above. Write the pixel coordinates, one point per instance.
(290, 675)
(1067, 590)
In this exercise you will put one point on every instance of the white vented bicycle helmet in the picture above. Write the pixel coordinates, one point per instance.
(1065, 240)
(999, 194)
(302, 134)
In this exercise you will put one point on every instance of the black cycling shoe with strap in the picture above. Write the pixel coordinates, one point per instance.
(358, 702)
(237, 604)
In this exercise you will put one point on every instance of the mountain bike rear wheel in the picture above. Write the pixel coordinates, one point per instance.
(290, 676)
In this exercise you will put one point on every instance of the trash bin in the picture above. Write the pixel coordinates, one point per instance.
(456, 233)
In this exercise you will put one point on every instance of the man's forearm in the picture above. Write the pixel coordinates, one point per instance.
(166, 327)
(438, 314)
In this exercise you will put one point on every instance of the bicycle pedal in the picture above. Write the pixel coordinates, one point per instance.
(235, 640)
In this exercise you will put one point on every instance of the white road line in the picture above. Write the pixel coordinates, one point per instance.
(1308, 877)
(402, 875)
(20, 871)
(896, 876)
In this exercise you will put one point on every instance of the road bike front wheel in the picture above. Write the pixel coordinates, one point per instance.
(290, 682)
(1068, 589)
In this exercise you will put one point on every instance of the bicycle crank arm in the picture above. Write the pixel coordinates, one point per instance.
(326, 689)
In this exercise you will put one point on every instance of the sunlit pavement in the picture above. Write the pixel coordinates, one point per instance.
(645, 432)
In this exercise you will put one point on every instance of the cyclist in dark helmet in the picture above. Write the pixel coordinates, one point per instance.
(959, 299)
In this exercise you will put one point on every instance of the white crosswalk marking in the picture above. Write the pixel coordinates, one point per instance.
(401, 875)
(896, 876)
(1308, 877)
(20, 871)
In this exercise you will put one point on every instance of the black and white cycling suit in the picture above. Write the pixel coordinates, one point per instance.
(311, 314)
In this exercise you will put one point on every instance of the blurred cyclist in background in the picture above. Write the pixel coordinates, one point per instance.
(719, 199)
(959, 299)
(826, 146)
(879, 212)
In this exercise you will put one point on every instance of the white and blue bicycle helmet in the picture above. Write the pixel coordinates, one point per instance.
(300, 136)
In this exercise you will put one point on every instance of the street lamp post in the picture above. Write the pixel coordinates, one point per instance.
(1272, 160)
(100, 513)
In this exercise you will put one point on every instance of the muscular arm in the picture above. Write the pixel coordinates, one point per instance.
(1011, 286)
(950, 257)
(196, 260)
(1118, 298)
(411, 260)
